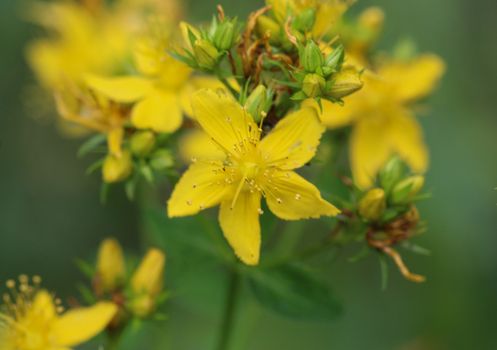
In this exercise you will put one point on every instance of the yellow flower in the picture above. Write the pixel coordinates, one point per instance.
(160, 94)
(327, 12)
(146, 282)
(252, 168)
(31, 320)
(83, 42)
(383, 122)
(111, 268)
(94, 112)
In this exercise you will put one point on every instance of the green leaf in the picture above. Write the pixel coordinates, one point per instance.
(91, 144)
(95, 166)
(85, 267)
(292, 291)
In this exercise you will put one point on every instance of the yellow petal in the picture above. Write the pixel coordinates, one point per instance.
(333, 115)
(149, 276)
(223, 119)
(79, 325)
(294, 140)
(201, 186)
(415, 79)
(43, 309)
(291, 197)
(120, 89)
(195, 84)
(407, 141)
(197, 144)
(241, 227)
(115, 140)
(159, 111)
(369, 149)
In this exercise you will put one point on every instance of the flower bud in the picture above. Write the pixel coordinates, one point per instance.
(373, 204)
(111, 269)
(142, 143)
(146, 283)
(148, 277)
(205, 54)
(116, 168)
(407, 189)
(313, 85)
(161, 159)
(305, 20)
(335, 58)
(266, 25)
(391, 173)
(258, 102)
(311, 57)
(226, 35)
(346, 82)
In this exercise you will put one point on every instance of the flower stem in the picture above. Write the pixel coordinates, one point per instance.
(227, 324)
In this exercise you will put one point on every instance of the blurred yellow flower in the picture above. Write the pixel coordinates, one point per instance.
(31, 320)
(147, 282)
(327, 12)
(160, 94)
(93, 112)
(383, 122)
(82, 42)
(251, 168)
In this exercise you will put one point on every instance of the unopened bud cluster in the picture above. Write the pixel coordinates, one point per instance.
(138, 294)
(395, 193)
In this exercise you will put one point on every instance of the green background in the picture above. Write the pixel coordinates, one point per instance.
(50, 211)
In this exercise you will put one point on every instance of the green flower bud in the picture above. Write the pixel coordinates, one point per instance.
(161, 159)
(335, 58)
(226, 35)
(205, 54)
(266, 25)
(391, 173)
(407, 189)
(313, 85)
(116, 168)
(142, 143)
(305, 20)
(373, 204)
(258, 102)
(311, 57)
(345, 83)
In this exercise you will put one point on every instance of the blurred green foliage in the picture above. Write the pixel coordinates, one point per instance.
(50, 211)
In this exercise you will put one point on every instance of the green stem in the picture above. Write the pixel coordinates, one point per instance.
(228, 320)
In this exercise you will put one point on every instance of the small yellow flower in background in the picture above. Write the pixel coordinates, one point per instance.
(111, 267)
(117, 168)
(161, 93)
(31, 319)
(326, 12)
(82, 42)
(382, 118)
(93, 112)
(251, 168)
(147, 282)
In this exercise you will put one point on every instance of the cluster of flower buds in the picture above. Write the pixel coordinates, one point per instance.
(207, 46)
(389, 210)
(137, 295)
(324, 76)
(140, 156)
